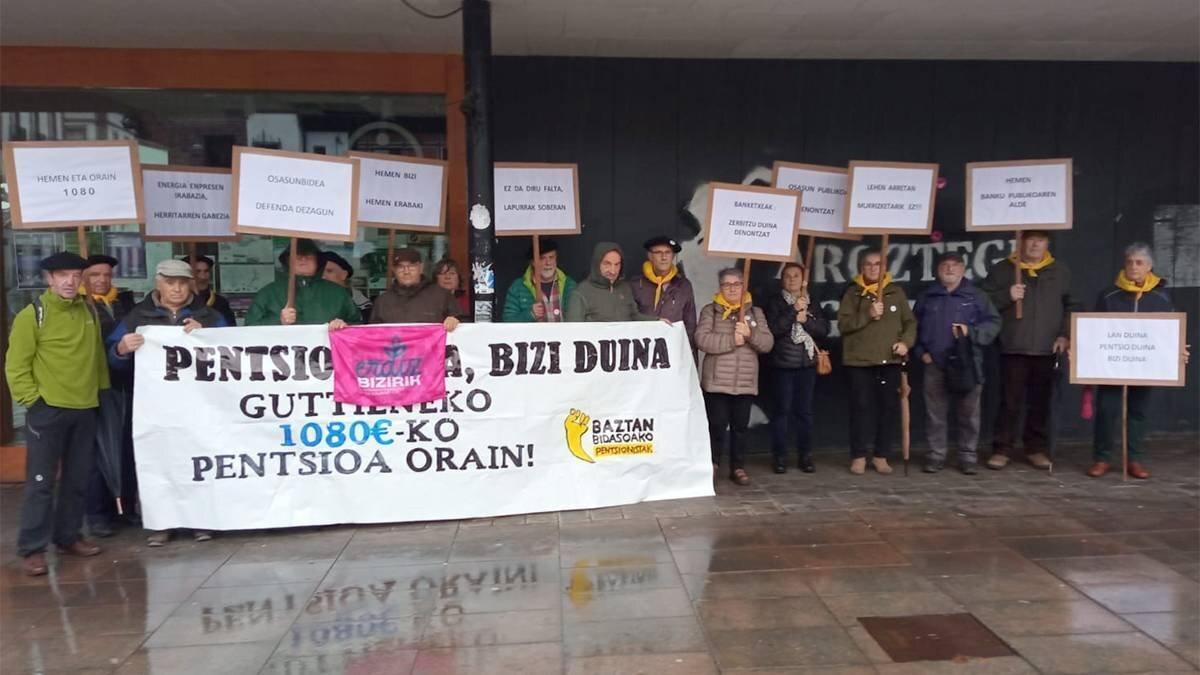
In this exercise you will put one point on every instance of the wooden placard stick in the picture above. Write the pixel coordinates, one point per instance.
(883, 266)
(1124, 433)
(391, 254)
(808, 257)
(291, 295)
(745, 290)
(81, 235)
(535, 275)
(1017, 271)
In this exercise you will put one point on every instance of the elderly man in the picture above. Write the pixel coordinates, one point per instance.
(318, 301)
(55, 368)
(662, 290)
(541, 294)
(948, 312)
(202, 272)
(113, 414)
(337, 269)
(171, 303)
(413, 298)
(1137, 289)
(1028, 345)
(605, 296)
(877, 329)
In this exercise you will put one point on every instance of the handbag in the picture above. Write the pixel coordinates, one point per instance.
(960, 366)
(824, 363)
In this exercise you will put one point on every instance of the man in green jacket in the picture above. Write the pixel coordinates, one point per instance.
(877, 330)
(56, 368)
(605, 296)
(317, 300)
(546, 301)
(1028, 345)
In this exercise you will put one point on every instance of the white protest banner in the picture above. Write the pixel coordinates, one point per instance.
(535, 198)
(891, 198)
(748, 221)
(823, 206)
(294, 194)
(72, 183)
(187, 203)
(585, 416)
(401, 193)
(1032, 194)
(1128, 348)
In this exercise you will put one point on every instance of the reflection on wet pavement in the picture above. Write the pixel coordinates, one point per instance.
(822, 573)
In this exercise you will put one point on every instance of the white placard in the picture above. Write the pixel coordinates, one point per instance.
(1127, 348)
(292, 194)
(823, 206)
(1034, 194)
(187, 204)
(401, 192)
(536, 199)
(263, 444)
(747, 221)
(66, 184)
(891, 198)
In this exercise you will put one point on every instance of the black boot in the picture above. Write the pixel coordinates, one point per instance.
(806, 464)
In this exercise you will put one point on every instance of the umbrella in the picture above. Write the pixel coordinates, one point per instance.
(905, 415)
(1061, 366)
(110, 441)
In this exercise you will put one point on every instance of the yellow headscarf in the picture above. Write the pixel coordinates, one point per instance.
(1148, 284)
(872, 289)
(1032, 268)
(107, 298)
(648, 272)
(730, 308)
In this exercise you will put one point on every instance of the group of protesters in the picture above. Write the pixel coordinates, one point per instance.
(72, 350)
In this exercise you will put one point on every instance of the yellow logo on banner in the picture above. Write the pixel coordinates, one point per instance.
(610, 437)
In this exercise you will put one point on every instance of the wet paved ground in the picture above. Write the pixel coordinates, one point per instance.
(1073, 575)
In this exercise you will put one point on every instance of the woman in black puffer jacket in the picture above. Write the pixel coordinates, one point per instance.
(797, 333)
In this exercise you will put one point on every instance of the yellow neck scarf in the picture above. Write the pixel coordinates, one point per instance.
(648, 272)
(1148, 284)
(872, 289)
(106, 298)
(730, 308)
(1032, 268)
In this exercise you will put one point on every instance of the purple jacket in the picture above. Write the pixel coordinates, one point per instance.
(678, 302)
(937, 309)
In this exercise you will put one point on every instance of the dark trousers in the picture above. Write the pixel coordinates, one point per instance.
(1108, 422)
(874, 409)
(1028, 385)
(727, 411)
(793, 408)
(55, 436)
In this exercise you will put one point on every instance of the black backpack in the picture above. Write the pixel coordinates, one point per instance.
(960, 366)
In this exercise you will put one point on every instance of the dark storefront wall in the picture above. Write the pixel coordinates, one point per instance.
(647, 133)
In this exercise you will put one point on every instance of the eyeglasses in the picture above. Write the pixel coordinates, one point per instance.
(732, 284)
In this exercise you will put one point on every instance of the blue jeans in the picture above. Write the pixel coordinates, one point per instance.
(793, 390)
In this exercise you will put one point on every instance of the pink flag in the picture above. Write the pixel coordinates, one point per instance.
(389, 365)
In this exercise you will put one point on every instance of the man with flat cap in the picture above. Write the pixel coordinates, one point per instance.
(542, 292)
(171, 303)
(413, 298)
(661, 290)
(337, 269)
(202, 273)
(55, 368)
(317, 301)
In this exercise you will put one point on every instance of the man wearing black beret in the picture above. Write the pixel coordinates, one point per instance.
(56, 367)
(661, 289)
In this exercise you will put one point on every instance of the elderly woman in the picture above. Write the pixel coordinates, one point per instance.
(1137, 289)
(731, 344)
(796, 330)
(446, 274)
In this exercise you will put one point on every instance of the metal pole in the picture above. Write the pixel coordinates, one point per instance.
(477, 60)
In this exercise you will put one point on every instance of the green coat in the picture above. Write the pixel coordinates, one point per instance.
(1046, 312)
(317, 301)
(867, 342)
(62, 361)
(598, 299)
(518, 302)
